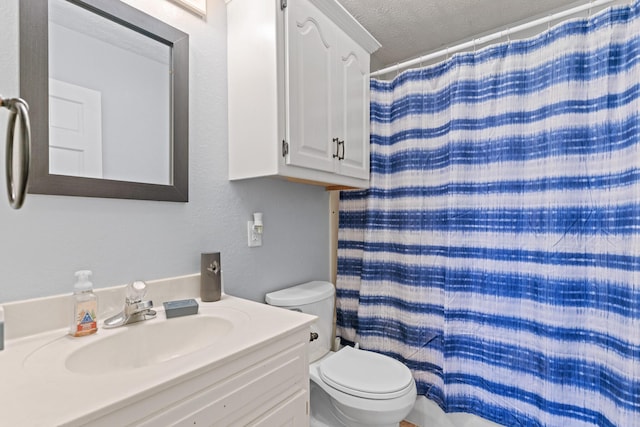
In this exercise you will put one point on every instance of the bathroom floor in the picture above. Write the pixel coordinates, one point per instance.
(407, 424)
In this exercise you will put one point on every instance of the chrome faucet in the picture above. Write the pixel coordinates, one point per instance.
(135, 309)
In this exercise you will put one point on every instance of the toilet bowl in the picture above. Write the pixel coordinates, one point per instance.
(350, 387)
(364, 388)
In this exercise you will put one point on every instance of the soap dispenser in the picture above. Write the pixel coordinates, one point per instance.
(85, 306)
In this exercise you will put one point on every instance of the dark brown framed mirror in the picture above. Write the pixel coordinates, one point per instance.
(108, 91)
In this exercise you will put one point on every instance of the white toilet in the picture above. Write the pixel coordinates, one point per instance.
(350, 387)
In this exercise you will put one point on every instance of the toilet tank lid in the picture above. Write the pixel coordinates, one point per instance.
(305, 293)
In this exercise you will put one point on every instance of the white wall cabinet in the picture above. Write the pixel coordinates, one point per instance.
(298, 92)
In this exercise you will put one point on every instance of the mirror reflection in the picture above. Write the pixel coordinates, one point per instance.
(108, 87)
(109, 113)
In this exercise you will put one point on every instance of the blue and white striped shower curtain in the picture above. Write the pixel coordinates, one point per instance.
(497, 252)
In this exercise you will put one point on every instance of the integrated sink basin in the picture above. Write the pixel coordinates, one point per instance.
(138, 345)
(145, 344)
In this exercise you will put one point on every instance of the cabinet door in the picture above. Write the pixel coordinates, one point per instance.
(352, 122)
(294, 412)
(309, 63)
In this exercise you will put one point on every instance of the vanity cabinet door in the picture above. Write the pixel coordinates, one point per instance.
(262, 388)
(310, 60)
(293, 412)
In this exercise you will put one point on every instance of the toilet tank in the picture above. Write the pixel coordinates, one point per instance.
(315, 298)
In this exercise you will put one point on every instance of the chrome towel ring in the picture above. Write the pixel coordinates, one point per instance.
(17, 188)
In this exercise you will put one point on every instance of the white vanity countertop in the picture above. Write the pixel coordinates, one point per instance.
(41, 391)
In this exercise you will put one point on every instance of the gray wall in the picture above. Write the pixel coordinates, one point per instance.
(122, 240)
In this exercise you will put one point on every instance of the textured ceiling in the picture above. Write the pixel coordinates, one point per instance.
(410, 28)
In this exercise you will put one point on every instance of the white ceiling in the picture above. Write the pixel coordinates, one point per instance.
(411, 28)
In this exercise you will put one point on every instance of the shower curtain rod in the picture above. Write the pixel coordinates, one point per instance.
(485, 39)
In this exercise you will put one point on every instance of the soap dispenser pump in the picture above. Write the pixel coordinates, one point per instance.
(85, 306)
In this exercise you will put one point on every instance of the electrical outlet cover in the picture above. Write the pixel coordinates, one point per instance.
(253, 239)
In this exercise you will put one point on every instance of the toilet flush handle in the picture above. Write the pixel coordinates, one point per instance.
(312, 335)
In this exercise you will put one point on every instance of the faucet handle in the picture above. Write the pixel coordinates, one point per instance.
(136, 291)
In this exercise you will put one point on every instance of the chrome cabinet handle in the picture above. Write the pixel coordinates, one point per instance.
(17, 189)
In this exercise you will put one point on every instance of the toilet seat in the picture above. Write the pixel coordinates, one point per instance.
(366, 374)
